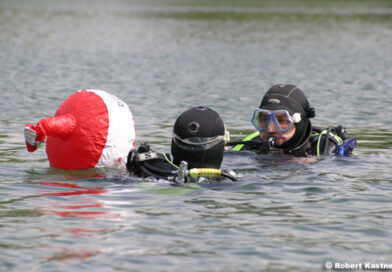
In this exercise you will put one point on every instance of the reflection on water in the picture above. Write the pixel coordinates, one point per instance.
(74, 209)
(66, 255)
(375, 139)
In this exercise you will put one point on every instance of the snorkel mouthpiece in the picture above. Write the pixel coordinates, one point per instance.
(268, 144)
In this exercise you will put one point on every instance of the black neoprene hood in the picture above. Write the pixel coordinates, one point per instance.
(287, 97)
(200, 122)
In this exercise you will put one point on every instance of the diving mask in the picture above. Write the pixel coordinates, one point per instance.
(282, 119)
(200, 143)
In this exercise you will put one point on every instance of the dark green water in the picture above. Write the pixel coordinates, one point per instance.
(162, 57)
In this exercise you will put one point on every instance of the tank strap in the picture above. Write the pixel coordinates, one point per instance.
(147, 156)
(247, 138)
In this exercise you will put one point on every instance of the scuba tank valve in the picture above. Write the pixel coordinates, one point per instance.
(182, 171)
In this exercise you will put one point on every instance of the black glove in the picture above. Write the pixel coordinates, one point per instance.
(133, 165)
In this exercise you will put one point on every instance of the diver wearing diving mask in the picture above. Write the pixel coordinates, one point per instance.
(198, 141)
(283, 126)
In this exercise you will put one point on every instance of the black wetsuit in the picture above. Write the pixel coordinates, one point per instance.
(316, 142)
(145, 163)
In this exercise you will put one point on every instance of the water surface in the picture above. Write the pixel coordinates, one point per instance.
(162, 57)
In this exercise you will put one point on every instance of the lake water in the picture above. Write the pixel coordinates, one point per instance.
(162, 57)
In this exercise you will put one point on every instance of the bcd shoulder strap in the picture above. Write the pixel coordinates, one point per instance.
(150, 155)
(324, 136)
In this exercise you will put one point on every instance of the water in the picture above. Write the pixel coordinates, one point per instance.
(162, 57)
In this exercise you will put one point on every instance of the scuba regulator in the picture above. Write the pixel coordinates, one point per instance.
(268, 145)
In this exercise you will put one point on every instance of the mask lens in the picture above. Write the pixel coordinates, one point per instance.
(283, 120)
(262, 119)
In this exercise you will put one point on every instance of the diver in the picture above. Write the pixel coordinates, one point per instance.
(283, 127)
(197, 146)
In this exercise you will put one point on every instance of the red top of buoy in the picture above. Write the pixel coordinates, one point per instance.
(90, 129)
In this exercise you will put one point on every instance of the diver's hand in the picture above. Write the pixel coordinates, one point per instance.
(33, 137)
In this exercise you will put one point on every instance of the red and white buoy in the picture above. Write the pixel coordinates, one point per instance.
(92, 128)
